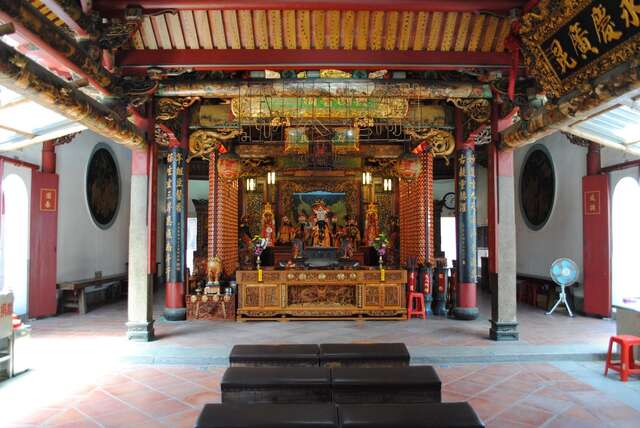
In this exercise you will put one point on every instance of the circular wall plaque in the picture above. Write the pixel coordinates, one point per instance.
(537, 187)
(103, 186)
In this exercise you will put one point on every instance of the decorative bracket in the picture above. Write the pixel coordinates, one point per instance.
(478, 109)
(170, 108)
(203, 142)
(442, 143)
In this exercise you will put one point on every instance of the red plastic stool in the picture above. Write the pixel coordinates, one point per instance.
(418, 309)
(627, 364)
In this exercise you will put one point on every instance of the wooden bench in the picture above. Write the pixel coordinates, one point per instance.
(371, 385)
(364, 355)
(74, 293)
(430, 415)
(288, 385)
(268, 416)
(274, 356)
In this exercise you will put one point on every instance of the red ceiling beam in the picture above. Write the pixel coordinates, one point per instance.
(281, 59)
(408, 5)
(60, 11)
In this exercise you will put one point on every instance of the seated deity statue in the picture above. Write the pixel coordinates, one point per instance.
(321, 235)
(287, 232)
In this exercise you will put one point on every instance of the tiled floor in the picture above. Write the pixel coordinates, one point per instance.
(504, 395)
(85, 373)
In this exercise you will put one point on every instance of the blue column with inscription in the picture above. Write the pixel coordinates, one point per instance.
(466, 307)
(174, 240)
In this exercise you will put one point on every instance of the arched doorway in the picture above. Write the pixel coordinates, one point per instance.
(626, 235)
(14, 260)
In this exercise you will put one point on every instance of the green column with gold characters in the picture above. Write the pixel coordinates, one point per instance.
(175, 309)
(466, 300)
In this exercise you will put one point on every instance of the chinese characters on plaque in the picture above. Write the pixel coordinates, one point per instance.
(592, 202)
(593, 32)
(48, 200)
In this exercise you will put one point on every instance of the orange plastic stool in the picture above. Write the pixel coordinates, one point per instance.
(418, 310)
(627, 364)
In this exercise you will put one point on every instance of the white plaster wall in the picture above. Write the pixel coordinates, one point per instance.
(561, 236)
(84, 248)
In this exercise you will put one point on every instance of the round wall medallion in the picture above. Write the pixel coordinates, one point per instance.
(103, 186)
(537, 187)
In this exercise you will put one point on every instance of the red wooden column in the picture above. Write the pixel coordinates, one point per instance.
(466, 300)
(596, 237)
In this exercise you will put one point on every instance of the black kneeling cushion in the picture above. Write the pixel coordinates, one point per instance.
(276, 385)
(268, 416)
(429, 415)
(274, 355)
(414, 384)
(364, 355)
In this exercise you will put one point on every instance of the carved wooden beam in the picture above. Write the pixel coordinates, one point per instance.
(71, 13)
(203, 142)
(614, 90)
(21, 75)
(266, 150)
(325, 88)
(39, 30)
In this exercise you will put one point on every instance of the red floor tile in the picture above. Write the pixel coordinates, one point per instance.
(526, 415)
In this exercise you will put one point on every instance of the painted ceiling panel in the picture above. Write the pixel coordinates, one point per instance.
(320, 29)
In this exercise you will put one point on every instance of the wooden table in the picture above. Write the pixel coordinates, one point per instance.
(73, 292)
(321, 294)
(211, 307)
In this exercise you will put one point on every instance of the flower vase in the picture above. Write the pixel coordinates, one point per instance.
(381, 261)
(259, 269)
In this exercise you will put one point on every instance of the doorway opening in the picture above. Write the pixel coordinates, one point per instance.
(14, 259)
(625, 237)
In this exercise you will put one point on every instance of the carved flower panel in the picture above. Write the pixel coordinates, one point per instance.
(270, 295)
(252, 296)
(372, 295)
(392, 295)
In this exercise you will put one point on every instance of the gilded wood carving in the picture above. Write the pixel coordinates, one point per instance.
(570, 42)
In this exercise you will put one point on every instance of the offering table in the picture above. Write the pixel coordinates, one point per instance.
(321, 294)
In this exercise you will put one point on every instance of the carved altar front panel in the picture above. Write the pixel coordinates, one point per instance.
(311, 294)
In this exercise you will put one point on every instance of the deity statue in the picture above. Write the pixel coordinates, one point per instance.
(214, 270)
(353, 233)
(371, 230)
(300, 236)
(244, 241)
(394, 241)
(268, 230)
(320, 232)
(287, 231)
(335, 230)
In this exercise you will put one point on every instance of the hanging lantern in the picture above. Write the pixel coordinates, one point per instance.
(409, 166)
(229, 166)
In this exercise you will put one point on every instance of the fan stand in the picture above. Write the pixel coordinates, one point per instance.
(561, 299)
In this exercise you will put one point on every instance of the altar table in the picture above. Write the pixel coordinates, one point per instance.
(321, 294)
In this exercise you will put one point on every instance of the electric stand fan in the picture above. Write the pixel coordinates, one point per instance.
(564, 272)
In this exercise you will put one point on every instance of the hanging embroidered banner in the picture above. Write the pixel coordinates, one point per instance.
(567, 43)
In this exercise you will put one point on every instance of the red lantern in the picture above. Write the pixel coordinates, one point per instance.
(409, 166)
(229, 166)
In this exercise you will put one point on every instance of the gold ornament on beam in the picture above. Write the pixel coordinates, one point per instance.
(363, 122)
(442, 142)
(203, 142)
(478, 109)
(170, 108)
